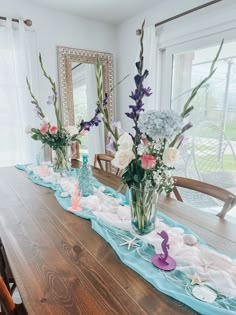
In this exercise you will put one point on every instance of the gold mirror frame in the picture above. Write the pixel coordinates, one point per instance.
(65, 57)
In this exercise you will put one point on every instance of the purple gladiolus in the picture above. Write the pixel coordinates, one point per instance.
(110, 146)
(117, 125)
(187, 126)
(137, 95)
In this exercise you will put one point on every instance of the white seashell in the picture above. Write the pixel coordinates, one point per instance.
(64, 194)
(190, 239)
(204, 293)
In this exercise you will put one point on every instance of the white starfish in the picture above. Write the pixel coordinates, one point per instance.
(129, 242)
(196, 279)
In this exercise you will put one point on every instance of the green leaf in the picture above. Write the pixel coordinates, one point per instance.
(36, 136)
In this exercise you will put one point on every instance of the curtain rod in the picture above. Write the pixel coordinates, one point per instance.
(187, 12)
(27, 22)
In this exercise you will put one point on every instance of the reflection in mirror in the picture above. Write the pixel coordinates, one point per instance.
(85, 98)
(78, 93)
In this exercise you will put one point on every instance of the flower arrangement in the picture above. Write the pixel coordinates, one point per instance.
(58, 137)
(147, 156)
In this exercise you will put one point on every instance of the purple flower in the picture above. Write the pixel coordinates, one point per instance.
(104, 103)
(110, 146)
(50, 100)
(140, 78)
(137, 95)
(187, 126)
(117, 125)
(86, 125)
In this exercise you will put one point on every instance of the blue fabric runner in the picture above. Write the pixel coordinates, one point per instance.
(163, 281)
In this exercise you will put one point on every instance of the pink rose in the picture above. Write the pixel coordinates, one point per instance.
(53, 130)
(148, 161)
(44, 129)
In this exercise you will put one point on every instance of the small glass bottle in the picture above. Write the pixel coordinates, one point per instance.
(85, 177)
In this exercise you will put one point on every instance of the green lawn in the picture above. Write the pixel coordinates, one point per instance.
(208, 163)
(229, 163)
(230, 130)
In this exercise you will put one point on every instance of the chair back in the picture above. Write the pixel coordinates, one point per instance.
(99, 158)
(227, 197)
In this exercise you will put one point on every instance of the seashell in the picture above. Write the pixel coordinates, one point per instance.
(64, 194)
(190, 239)
(204, 293)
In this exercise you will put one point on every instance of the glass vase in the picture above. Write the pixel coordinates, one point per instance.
(85, 177)
(61, 159)
(143, 203)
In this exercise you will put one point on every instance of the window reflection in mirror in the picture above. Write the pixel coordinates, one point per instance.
(85, 98)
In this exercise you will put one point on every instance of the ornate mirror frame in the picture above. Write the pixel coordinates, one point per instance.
(65, 57)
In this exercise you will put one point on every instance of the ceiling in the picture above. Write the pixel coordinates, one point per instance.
(111, 11)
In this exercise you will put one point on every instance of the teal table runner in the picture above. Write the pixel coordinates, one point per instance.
(175, 283)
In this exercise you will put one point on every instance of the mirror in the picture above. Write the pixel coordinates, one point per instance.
(78, 93)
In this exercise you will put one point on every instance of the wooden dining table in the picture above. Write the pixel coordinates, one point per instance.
(62, 266)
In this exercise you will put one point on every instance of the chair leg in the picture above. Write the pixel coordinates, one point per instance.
(5, 271)
(3, 267)
(227, 206)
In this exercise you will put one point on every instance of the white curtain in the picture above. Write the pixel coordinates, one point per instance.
(96, 142)
(16, 112)
(150, 43)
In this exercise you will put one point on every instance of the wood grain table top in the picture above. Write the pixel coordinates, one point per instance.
(61, 266)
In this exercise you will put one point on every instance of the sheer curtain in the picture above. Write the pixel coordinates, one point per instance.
(96, 142)
(16, 111)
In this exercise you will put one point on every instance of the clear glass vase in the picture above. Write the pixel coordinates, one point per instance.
(143, 202)
(61, 159)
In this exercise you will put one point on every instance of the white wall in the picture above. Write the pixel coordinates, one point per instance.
(170, 33)
(54, 28)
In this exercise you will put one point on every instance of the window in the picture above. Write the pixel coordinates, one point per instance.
(216, 101)
(80, 100)
(186, 64)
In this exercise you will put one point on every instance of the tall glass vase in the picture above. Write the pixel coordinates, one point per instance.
(61, 159)
(143, 209)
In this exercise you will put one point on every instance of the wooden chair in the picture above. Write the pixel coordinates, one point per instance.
(5, 270)
(228, 198)
(7, 305)
(99, 158)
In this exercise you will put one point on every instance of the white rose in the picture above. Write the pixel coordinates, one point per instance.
(170, 156)
(28, 129)
(45, 121)
(123, 158)
(125, 142)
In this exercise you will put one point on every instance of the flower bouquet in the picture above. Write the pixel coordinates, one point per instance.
(146, 157)
(58, 137)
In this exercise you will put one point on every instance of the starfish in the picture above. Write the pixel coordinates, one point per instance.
(196, 279)
(129, 242)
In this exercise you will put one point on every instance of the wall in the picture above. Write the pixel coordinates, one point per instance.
(209, 19)
(54, 28)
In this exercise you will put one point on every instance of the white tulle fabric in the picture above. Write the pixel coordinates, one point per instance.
(218, 270)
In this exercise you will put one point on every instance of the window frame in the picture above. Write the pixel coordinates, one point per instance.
(167, 52)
